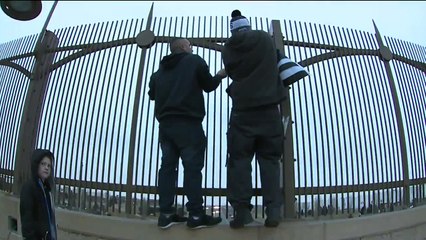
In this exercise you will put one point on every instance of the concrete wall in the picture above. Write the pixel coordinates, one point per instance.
(408, 224)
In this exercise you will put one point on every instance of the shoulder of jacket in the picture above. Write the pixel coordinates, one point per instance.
(197, 58)
(194, 56)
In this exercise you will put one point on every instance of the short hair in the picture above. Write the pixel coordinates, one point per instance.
(175, 45)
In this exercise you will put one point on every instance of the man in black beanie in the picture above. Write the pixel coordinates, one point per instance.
(255, 126)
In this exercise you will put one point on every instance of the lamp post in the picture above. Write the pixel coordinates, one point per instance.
(27, 138)
(21, 10)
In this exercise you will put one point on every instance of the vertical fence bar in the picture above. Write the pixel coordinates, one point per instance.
(354, 152)
(384, 53)
(415, 89)
(53, 115)
(308, 171)
(83, 101)
(66, 115)
(57, 86)
(124, 102)
(71, 118)
(333, 125)
(320, 158)
(89, 148)
(297, 122)
(64, 112)
(412, 112)
(138, 145)
(135, 120)
(288, 155)
(420, 82)
(11, 80)
(228, 111)
(407, 111)
(339, 121)
(356, 71)
(380, 126)
(221, 127)
(313, 146)
(398, 165)
(117, 77)
(325, 129)
(136, 172)
(94, 122)
(121, 35)
(153, 117)
(100, 101)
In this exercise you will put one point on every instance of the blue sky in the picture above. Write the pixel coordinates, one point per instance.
(399, 19)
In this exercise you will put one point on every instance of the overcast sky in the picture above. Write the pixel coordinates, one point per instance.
(403, 20)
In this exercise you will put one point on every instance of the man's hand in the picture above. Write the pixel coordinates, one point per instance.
(222, 73)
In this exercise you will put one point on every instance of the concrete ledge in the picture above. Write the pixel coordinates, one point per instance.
(405, 224)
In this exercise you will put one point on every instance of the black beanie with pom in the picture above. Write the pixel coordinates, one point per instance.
(239, 22)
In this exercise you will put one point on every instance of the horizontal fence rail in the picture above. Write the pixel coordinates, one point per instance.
(346, 139)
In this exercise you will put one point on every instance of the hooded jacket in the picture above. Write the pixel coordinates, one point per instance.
(177, 87)
(250, 60)
(36, 203)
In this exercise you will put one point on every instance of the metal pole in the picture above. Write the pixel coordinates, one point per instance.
(31, 115)
(135, 122)
(43, 30)
(386, 55)
(288, 159)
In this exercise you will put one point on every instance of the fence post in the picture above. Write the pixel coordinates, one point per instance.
(288, 183)
(32, 111)
(131, 162)
(386, 55)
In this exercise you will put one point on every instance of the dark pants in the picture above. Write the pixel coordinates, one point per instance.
(185, 139)
(257, 132)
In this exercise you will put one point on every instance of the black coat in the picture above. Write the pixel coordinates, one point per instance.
(250, 60)
(33, 204)
(177, 87)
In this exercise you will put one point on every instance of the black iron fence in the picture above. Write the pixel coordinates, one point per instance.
(355, 143)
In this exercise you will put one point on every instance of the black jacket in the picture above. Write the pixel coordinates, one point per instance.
(34, 207)
(177, 87)
(250, 60)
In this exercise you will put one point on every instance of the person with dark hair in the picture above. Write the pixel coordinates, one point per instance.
(36, 205)
(255, 127)
(177, 89)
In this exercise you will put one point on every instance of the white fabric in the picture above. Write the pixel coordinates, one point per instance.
(288, 72)
(242, 22)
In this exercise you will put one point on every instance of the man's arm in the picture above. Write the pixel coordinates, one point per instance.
(151, 91)
(207, 82)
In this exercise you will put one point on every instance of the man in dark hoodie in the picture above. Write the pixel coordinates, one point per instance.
(36, 203)
(177, 88)
(255, 125)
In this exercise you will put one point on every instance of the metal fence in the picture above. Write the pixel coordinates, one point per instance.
(356, 143)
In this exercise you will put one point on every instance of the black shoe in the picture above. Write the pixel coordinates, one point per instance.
(272, 222)
(167, 220)
(242, 217)
(273, 218)
(195, 222)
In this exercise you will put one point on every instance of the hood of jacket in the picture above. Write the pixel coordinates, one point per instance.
(244, 41)
(36, 158)
(250, 59)
(244, 49)
(170, 61)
